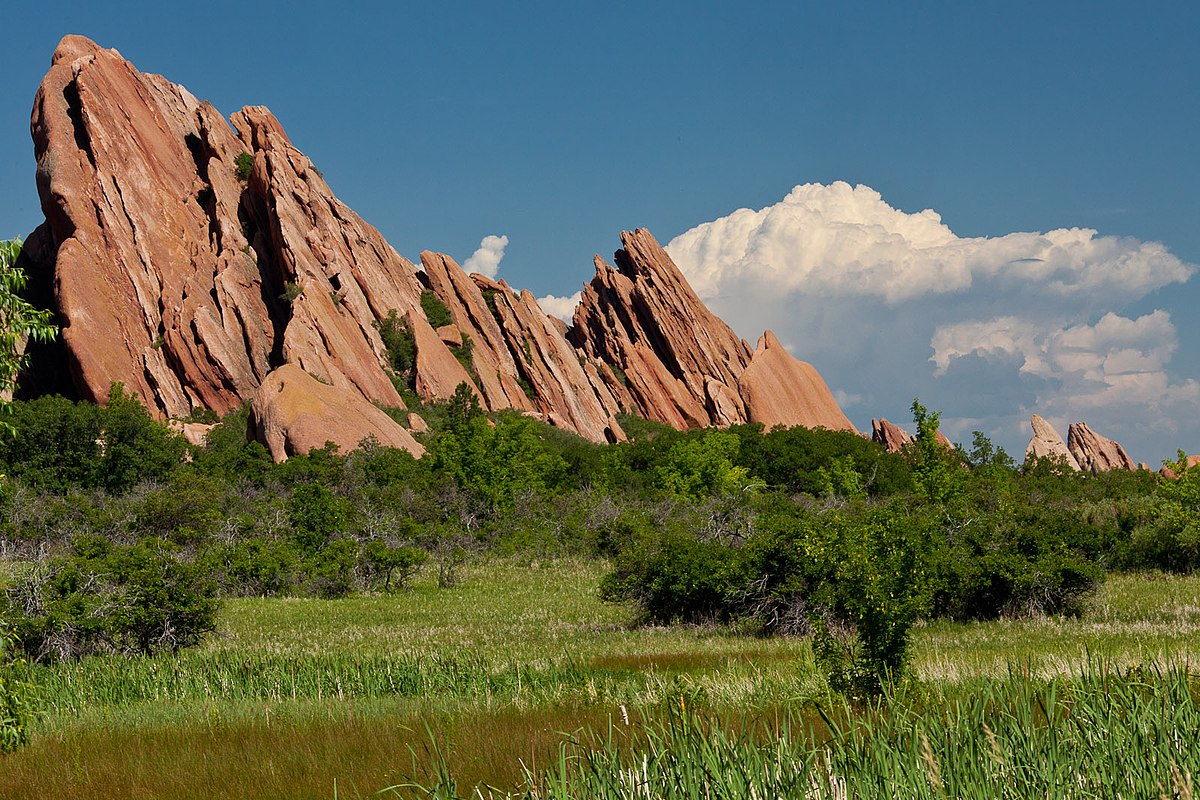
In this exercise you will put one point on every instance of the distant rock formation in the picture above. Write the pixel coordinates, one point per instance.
(893, 438)
(1095, 453)
(199, 263)
(1168, 472)
(1084, 449)
(1046, 443)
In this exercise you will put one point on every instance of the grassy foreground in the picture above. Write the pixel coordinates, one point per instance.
(369, 692)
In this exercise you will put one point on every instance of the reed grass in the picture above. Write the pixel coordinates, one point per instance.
(295, 694)
(1102, 733)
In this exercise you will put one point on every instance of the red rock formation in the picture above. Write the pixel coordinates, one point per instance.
(681, 364)
(558, 383)
(1093, 452)
(493, 363)
(177, 278)
(190, 283)
(1046, 443)
(292, 412)
(1171, 474)
(152, 283)
(778, 389)
(892, 437)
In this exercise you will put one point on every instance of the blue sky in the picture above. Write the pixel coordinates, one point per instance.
(444, 123)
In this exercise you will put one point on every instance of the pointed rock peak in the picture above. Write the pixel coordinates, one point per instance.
(1046, 443)
(891, 436)
(779, 389)
(1094, 452)
(73, 47)
(768, 341)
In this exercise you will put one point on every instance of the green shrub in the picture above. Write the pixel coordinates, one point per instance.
(435, 310)
(15, 711)
(703, 466)
(675, 577)
(291, 292)
(400, 345)
(391, 568)
(104, 598)
(317, 515)
(254, 567)
(243, 165)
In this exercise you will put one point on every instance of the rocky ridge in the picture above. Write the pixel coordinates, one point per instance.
(204, 265)
(1084, 449)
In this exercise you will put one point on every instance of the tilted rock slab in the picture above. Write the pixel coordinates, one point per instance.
(1094, 452)
(779, 389)
(680, 363)
(893, 438)
(153, 279)
(292, 412)
(1046, 443)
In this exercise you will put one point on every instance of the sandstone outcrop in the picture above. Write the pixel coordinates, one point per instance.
(781, 390)
(205, 264)
(893, 438)
(679, 363)
(1094, 452)
(1170, 473)
(1046, 443)
(292, 412)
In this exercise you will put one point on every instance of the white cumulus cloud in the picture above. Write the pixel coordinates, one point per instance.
(486, 260)
(843, 240)
(561, 307)
(890, 305)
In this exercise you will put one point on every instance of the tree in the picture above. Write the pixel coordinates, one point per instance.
(19, 322)
(934, 472)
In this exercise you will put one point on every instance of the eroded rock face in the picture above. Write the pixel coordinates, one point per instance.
(1094, 452)
(202, 264)
(894, 438)
(779, 389)
(1046, 443)
(891, 437)
(292, 412)
(679, 363)
(154, 281)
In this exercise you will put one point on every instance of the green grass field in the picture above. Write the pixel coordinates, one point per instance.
(305, 698)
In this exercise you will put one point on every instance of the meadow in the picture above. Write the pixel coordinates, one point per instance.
(520, 675)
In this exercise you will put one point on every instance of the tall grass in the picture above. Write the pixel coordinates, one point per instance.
(1099, 734)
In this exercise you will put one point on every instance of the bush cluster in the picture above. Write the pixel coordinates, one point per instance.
(784, 531)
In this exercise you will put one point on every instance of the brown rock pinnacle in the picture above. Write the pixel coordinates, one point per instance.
(1093, 452)
(679, 362)
(1046, 443)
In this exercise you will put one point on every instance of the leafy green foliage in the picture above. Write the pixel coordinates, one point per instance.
(15, 709)
(935, 471)
(18, 321)
(400, 345)
(57, 444)
(435, 310)
(702, 467)
(291, 292)
(243, 165)
(1171, 538)
(495, 462)
(103, 597)
(393, 567)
